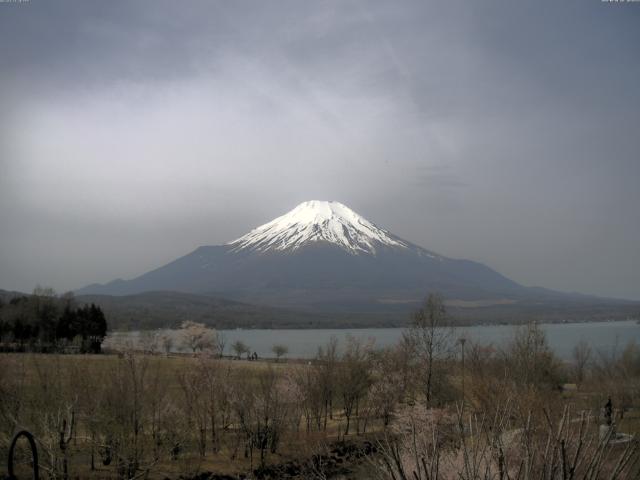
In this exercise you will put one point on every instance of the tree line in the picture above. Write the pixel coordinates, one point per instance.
(45, 322)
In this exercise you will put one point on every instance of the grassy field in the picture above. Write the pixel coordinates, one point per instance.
(41, 389)
(133, 415)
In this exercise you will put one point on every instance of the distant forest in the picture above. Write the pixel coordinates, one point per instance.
(46, 322)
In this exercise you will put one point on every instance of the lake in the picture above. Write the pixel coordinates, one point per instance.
(605, 337)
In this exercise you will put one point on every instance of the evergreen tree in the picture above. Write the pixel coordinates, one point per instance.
(66, 324)
(44, 320)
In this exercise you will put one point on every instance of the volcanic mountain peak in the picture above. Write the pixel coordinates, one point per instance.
(318, 221)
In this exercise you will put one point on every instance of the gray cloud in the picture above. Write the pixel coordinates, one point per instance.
(132, 132)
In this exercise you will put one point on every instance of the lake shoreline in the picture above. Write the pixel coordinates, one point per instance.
(304, 343)
(391, 326)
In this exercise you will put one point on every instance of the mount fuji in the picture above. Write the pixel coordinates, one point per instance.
(324, 257)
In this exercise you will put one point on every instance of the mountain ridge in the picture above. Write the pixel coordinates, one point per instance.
(324, 257)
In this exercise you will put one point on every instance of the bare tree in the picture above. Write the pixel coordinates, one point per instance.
(327, 362)
(216, 379)
(261, 410)
(221, 342)
(279, 351)
(388, 386)
(240, 348)
(354, 379)
(581, 358)
(530, 360)
(431, 337)
(125, 410)
(309, 390)
(193, 384)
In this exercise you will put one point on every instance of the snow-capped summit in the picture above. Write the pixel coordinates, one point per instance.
(318, 221)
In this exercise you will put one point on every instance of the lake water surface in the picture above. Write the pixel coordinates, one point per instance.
(604, 337)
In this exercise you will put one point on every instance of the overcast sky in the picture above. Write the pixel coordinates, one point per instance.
(503, 132)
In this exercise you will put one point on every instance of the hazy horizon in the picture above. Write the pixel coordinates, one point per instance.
(132, 133)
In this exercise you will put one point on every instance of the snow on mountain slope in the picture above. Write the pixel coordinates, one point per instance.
(357, 265)
(316, 221)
